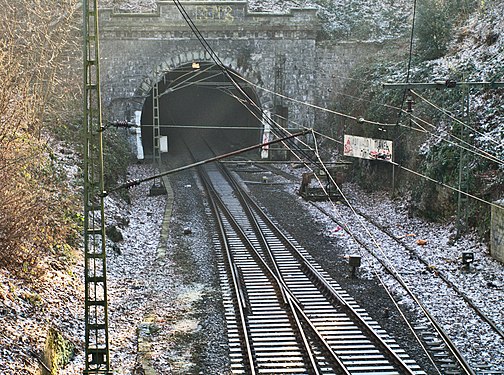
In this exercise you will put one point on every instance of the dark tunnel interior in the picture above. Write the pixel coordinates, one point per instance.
(201, 104)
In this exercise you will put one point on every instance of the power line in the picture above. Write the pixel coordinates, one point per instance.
(237, 86)
(188, 74)
(445, 185)
(132, 183)
(445, 112)
(275, 126)
(187, 83)
(471, 148)
(196, 126)
(410, 56)
(384, 260)
(479, 151)
(290, 129)
(432, 180)
(442, 84)
(357, 119)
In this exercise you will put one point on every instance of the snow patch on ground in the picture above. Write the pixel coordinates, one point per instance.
(483, 283)
(138, 284)
(362, 20)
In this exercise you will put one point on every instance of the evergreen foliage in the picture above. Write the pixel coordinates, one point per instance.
(434, 26)
(435, 23)
(432, 151)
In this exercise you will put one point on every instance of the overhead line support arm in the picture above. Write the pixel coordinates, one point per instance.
(442, 84)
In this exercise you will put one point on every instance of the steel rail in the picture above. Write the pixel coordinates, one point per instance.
(447, 340)
(294, 304)
(358, 319)
(287, 299)
(132, 183)
(237, 288)
(440, 274)
(457, 355)
(286, 291)
(247, 237)
(330, 290)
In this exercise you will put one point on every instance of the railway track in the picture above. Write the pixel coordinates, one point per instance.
(285, 315)
(436, 339)
(424, 262)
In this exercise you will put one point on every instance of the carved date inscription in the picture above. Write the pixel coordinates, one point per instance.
(214, 12)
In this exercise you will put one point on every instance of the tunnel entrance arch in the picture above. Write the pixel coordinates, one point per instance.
(197, 102)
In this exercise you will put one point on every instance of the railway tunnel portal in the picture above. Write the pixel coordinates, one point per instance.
(274, 52)
(198, 101)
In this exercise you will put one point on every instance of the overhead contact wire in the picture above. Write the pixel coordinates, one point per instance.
(358, 119)
(187, 18)
(447, 113)
(394, 163)
(388, 262)
(473, 149)
(396, 275)
(469, 147)
(226, 71)
(284, 143)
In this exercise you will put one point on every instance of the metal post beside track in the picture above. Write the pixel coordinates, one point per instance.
(156, 132)
(158, 187)
(463, 184)
(97, 360)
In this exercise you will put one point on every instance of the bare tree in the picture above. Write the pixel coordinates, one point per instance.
(39, 55)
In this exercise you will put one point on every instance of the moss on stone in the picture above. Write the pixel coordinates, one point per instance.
(58, 352)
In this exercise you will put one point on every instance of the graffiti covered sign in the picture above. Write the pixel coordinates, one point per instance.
(367, 148)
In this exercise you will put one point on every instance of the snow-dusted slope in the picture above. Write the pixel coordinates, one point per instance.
(356, 19)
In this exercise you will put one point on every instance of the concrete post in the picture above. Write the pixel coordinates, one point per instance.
(497, 232)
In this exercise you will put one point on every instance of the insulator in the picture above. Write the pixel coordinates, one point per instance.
(450, 83)
(121, 124)
(409, 103)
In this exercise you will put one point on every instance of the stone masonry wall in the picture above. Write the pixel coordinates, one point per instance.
(336, 62)
(137, 48)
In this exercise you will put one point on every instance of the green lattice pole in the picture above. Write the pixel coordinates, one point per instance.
(97, 361)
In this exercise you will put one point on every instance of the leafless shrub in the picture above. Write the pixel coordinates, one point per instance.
(38, 50)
